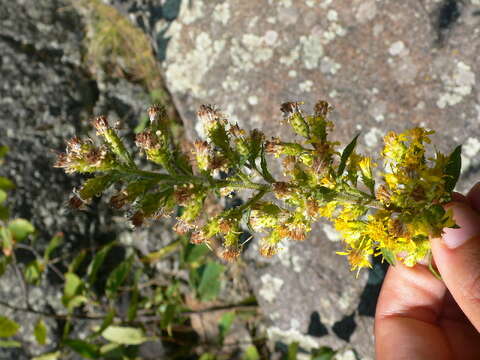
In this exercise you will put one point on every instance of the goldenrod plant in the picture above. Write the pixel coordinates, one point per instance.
(385, 207)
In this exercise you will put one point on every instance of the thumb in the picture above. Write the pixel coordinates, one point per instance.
(457, 256)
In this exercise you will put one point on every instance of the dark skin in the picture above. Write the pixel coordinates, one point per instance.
(420, 317)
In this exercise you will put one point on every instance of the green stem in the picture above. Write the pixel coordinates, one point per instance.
(185, 179)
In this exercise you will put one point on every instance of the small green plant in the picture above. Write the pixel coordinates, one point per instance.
(392, 213)
(117, 303)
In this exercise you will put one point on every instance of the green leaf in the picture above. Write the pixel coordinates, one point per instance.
(20, 229)
(3, 151)
(168, 316)
(346, 154)
(72, 284)
(3, 196)
(117, 277)
(263, 164)
(225, 324)
(324, 353)
(4, 261)
(453, 168)
(55, 242)
(107, 321)
(124, 335)
(75, 301)
(194, 253)
(163, 252)
(389, 256)
(48, 356)
(292, 351)
(33, 272)
(207, 357)
(40, 332)
(96, 186)
(251, 353)
(209, 285)
(4, 213)
(133, 306)
(7, 240)
(97, 263)
(10, 344)
(8, 327)
(77, 261)
(6, 184)
(83, 348)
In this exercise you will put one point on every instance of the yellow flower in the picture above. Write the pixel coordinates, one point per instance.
(366, 167)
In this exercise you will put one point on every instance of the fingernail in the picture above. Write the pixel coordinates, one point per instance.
(468, 221)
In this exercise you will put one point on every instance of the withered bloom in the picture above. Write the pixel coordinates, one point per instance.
(76, 202)
(198, 237)
(181, 227)
(156, 112)
(137, 219)
(282, 190)
(268, 250)
(230, 253)
(146, 140)
(290, 108)
(322, 108)
(119, 200)
(101, 124)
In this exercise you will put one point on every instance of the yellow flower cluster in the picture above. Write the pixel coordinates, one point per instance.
(390, 213)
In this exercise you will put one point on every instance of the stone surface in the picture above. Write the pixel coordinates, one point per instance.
(46, 97)
(383, 65)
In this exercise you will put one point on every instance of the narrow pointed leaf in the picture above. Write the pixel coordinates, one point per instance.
(346, 154)
(453, 168)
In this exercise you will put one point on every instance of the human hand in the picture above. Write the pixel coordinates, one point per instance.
(420, 317)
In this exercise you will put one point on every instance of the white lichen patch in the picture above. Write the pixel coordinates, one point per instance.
(271, 37)
(191, 12)
(470, 150)
(457, 85)
(290, 336)
(329, 66)
(345, 355)
(312, 50)
(270, 287)
(292, 73)
(332, 15)
(366, 11)
(398, 48)
(221, 13)
(186, 72)
(305, 86)
(231, 83)
(373, 136)
(252, 100)
(331, 233)
(249, 51)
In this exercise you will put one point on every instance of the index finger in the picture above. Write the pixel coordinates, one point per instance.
(409, 305)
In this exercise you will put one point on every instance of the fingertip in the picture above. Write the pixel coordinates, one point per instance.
(468, 222)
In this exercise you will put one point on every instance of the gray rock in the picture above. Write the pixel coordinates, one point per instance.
(46, 97)
(383, 65)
